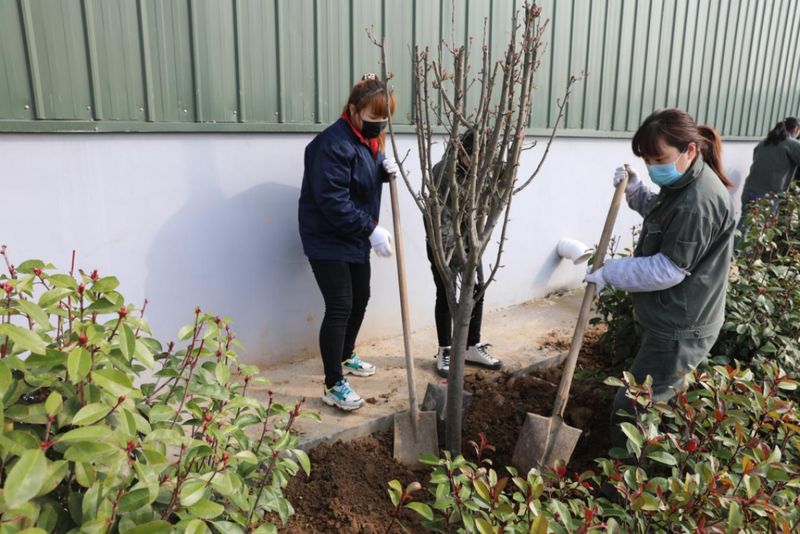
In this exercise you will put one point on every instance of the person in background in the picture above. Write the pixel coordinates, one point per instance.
(345, 168)
(775, 160)
(477, 353)
(678, 274)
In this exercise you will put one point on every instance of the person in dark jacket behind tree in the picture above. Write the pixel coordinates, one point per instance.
(477, 353)
(340, 201)
(775, 160)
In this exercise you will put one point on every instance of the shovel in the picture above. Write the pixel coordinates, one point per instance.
(546, 440)
(414, 431)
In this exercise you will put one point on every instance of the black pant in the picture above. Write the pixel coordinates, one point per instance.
(444, 321)
(345, 289)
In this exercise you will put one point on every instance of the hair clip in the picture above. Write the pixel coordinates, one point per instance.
(369, 76)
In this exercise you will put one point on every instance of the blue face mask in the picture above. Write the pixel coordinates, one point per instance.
(665, 173)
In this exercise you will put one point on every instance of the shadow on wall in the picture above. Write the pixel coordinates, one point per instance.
(236, 256)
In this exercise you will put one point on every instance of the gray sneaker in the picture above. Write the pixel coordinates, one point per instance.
(478, 355)
(443, 362)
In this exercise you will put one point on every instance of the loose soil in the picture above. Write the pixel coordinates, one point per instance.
(346, 492)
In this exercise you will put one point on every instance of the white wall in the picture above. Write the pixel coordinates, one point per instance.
(211, 220)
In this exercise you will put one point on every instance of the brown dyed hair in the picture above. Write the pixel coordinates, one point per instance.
(370, 93)
(677, 128)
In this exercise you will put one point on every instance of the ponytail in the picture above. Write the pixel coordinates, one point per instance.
(781, 131)
(711, 149)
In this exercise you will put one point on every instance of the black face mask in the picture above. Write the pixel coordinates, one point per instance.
(372, 129)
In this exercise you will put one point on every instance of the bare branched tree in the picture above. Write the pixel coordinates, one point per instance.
(462, 204)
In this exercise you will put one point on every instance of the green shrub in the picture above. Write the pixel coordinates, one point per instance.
(105, 430)
(722, 458)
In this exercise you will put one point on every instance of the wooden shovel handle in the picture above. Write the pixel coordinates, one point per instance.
(586, 305)
(401, 279)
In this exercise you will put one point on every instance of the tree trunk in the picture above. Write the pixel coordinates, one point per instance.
(455, 380)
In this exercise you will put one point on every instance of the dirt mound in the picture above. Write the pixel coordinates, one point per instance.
(346, 491)
(347, 488)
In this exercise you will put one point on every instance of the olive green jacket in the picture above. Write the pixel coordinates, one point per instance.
(692, 223)
(773, 166)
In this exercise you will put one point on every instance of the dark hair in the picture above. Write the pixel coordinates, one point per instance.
(781, 131)
(677, 128)
(370, 93)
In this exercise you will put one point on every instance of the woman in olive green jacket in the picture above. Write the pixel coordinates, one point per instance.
(678, 274)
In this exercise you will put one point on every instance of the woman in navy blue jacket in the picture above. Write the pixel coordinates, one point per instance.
(340, 201)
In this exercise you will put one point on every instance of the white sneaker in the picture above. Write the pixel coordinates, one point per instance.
(356, 366)
(477, 355)
(443, 362)
(342, 397)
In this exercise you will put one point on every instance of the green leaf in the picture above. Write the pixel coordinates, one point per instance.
(133, 500)
(735, 517)
(304, 461)
(53, 403)
(633, 433)
(62, 280)
(23, 338)
(89, 451)
(663, 457)
(539, 525)
(144, 355)
(87, 433)
(56, 471)
(5, 378)
(25, 478)
(196, 526)
(227, 527)
(78, 364)
(113, 380)
(28, 266)
(52, 296)
(422, 509)
(127, 341)
(222, 373)
(185, 332)
(206, 509)
(192, 492)
(105, 284)
(34, 312)
(91, 413)
(152, 527)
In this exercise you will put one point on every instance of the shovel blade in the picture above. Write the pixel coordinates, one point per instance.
(543, 441)
(408, 445)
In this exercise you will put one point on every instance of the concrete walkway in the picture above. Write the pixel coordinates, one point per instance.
(517, 334)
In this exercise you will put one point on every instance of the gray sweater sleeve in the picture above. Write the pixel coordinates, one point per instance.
(639, 198)
(643, 274)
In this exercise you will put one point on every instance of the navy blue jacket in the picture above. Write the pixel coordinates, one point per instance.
(340, 199)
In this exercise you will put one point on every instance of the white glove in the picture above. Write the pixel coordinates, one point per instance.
(597, 279)
(381, 241)
(390, 166)
(634, 183)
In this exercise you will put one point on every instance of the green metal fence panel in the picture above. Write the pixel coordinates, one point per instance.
(288, 65)
(115, 59)
(16, 101)
(56, 44)
(167, 60)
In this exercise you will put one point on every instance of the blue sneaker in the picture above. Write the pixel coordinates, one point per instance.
(342, 397)
(356, 366)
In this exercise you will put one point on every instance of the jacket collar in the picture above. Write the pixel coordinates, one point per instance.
(691, 174)
(372, 144)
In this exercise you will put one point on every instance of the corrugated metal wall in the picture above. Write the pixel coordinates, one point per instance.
(287, 65)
